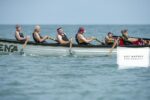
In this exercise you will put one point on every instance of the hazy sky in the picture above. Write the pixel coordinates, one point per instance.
(75, 11)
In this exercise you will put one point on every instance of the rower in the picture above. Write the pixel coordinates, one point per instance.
(62, 37)
(126, 40)
(37, 37)
(20, 36)
(81, 39)
(109, 40)
(125, 37)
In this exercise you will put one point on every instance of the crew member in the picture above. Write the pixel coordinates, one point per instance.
(81, 39)
(62, 37)
(37, 37)
(109, 40)
(19, 35)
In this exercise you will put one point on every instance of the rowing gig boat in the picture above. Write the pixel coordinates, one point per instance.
(9, 46)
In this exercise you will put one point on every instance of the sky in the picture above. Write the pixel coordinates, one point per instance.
(74, 11)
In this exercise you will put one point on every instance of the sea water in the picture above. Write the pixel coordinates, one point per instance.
(27, 77)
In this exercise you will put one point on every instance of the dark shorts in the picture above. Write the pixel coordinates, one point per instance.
(110, 44)
(84, 44)
(22, 40)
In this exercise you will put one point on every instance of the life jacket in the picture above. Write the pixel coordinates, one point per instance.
(36, 39)
(121, 42)
(109, 41)
(64, 37)
(126, 41)
(21, 35)
(80, 43)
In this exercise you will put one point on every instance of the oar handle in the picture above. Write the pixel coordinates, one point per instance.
(52, 38)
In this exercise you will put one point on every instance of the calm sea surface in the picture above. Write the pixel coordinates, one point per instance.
(72, 77)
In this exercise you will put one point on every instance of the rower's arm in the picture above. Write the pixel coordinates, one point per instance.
(106, 38)
(84, 39)
(39, 38)
(18, 36)
(61, 41)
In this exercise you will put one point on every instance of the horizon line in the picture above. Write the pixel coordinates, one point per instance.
(75, 24)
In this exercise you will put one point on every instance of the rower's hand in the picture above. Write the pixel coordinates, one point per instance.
(27, 37)
(47, 37)
(52, 38)
(94, 38)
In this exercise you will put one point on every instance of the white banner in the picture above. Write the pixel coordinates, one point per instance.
(133, 57)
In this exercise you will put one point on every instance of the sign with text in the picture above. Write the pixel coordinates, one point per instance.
(133, 57)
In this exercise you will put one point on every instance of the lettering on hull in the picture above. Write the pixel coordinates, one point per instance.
(8, 48)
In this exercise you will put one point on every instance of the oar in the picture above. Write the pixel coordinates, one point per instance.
(24, 46)
(145, 39)
(99, 41)
(135, 38)
(52, 38)
(114, 45)
(70, 46)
